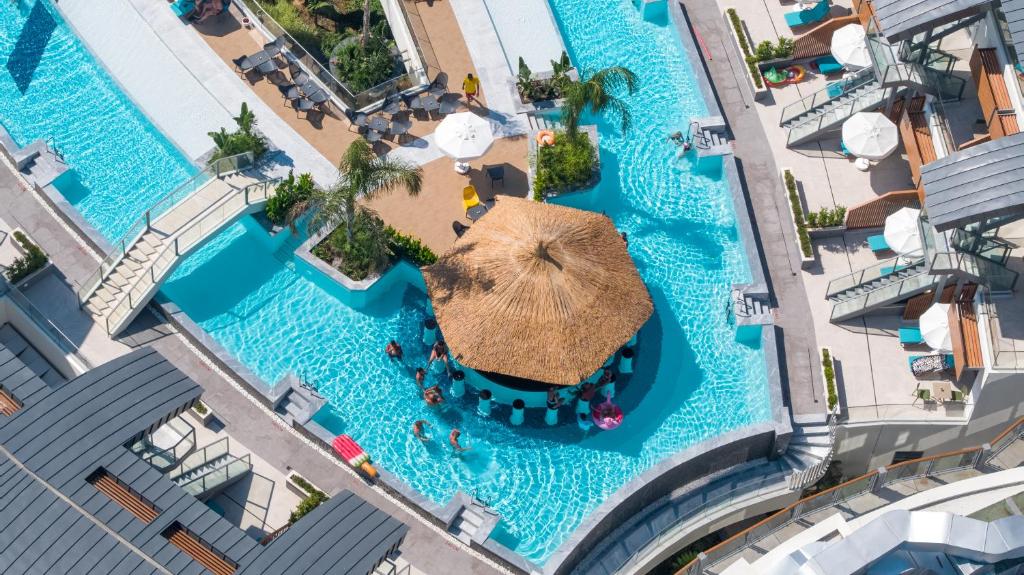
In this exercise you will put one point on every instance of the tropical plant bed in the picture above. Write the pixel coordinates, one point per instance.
(739, 37)
(803, 239)
(300, 485)
(371, 250)
(828, 376)
(538, 88)
(569, 165)
(31, 261)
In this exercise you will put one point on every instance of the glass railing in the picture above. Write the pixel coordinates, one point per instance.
(165, 458)
(218, 168)
(818, 122)
(232, 203)
(997, 277)
(201, 457)
(45, 325)
(415, 76)
(236, 467)
(885, 268)
(989, 248)
(935, 466)
(821, 97)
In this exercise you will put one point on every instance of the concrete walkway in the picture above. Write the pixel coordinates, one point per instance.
(173, 75)
(772, 221)
(428, 547)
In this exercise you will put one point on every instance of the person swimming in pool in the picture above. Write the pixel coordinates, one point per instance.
(453, 439)
(432, 395)
(554, 400)
(680, 140)
(419, 429)
(394, 350)
(421, 376)
(439, 354)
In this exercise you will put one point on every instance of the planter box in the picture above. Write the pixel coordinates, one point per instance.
(824, 233)
(595, 175)
(29, 280)
(298, 489)
(805, 261)
(758, 94)
(203, 419)
(824, 380)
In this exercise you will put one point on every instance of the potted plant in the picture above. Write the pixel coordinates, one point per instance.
(201, 412)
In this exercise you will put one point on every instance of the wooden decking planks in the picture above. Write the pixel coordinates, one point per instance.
(872, 214)
(8, 404)
(818, 40)
(108, 485)
(199, 551)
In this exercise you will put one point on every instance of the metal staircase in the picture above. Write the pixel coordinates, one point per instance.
(830, 115)
(881, 284)
(799, 111)
(175, 226)
(209, 470)
(810, 452)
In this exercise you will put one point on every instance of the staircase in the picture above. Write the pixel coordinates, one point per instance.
(210, 470)
(299, 402)
(884, 283)
(286, 250)
(167, 446)
(175, 226)
(473, 523)
(709, 136)
(810, 452)
(749, 308)
(810, 125)
(543, 120)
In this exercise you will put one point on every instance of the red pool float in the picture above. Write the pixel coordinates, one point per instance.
(351, 452)
(607, 415)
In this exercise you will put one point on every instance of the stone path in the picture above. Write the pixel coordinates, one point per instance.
(772, 221)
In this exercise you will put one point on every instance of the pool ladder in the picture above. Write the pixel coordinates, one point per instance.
(51, 146)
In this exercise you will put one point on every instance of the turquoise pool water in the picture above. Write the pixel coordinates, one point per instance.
(51, 87)
(693, 381)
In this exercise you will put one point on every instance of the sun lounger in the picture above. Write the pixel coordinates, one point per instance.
(809, 16)
(911, 336)
(877, 243)
(828, 65)
(926, 364)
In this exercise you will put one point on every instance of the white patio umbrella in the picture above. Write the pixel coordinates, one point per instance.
(464, 136)
(850, 46)
(870, 135)
(934, 324)
(902, 232)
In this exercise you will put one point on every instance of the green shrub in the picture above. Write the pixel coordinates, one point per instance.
(307, 486)
(567, 164)
(830, 378)
(737, 28)
(23, 266)
(363, 68)
(306, 505)
(826, 217)
(798, 215)
(368, 252)
(683, 559)
(410, 248)
(289, 192)
(785, 47)
(200, 408)
(244, 139)
(764, 51)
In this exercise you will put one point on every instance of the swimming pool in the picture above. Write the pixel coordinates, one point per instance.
(52, 88)
(693, 380)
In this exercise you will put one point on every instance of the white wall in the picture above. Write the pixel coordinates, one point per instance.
(68, 365)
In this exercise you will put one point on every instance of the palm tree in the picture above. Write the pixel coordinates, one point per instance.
(597, 93)
(366, 25)
(364, 176)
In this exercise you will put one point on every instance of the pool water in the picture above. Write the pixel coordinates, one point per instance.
(51, 87)
(693, 380)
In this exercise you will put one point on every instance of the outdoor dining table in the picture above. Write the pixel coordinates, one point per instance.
(309, 87)
(942, 391)
(263, 62)
(377, 124)
(427, 102)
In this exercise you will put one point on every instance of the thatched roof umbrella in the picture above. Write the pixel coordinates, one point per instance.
(538, 291)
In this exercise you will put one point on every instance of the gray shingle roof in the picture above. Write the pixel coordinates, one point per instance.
(52, 520)
(901, 19)
(980, 182)
(1014, 12)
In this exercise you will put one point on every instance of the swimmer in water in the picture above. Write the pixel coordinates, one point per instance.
(453, 438)
(418, 429)
(421, 375)
(393, 350)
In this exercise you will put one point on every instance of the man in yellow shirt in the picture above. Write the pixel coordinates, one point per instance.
(471, 86)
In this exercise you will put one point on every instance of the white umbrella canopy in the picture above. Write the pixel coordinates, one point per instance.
(464, 136)
(850, 46)
(870, 135)
(934, 325)
(902, 232)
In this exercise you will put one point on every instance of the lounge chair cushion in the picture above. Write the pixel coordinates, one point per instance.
(809, 16)
(911, 335)
(828, 65)
(877, 243)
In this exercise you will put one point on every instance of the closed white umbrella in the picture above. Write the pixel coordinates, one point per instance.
(902, 232)
(870, 135)
(934, 325)
(850, 46)
(464, 136)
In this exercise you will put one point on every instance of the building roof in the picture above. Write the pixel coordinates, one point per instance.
(538, 291)
(1014, 12)
(57, 520)
(901, 19)
(975, 184)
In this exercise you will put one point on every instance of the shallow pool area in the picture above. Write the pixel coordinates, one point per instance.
(693, 380)
(53, 89)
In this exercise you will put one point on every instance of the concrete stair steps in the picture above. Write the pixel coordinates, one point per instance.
(811, 441)
(96, 307)
(814, 451)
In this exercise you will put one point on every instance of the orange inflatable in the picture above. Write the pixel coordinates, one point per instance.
(546, 138)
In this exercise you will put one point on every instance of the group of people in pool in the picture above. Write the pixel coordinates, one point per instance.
(432, 396)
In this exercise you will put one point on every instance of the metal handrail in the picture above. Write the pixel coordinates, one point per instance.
(42, 322)
(855, 105)
(971, 457)
(170, 253)
(142, 224)
(809, 103)
(872, 273)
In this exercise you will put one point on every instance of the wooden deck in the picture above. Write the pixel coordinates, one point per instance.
(917, 140)
(121, 494)
(818, 40)
(993, 95)
(872, 214)
(198, 550)
(8, 405)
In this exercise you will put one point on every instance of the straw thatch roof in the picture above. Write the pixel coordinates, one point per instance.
(538, 291)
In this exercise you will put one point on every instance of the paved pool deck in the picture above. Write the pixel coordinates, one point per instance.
(430, 549)
(526, 29)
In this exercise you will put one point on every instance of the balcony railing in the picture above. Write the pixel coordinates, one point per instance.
(926, 467)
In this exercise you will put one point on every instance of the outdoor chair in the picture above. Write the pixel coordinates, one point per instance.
(877, 243)
(809, 16)
(496, 174)
(440, 84)
(911, 336)
(923, 394)
(357, 120)
(289, 91)
(828, 65)
(274, 48)
(957, 396)
(471, 202)
(392, 104)
(459, 228)
(243, 64)
(400, 125)
(320, 98)
(302, 105)
(449, 104)
(299, 77)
